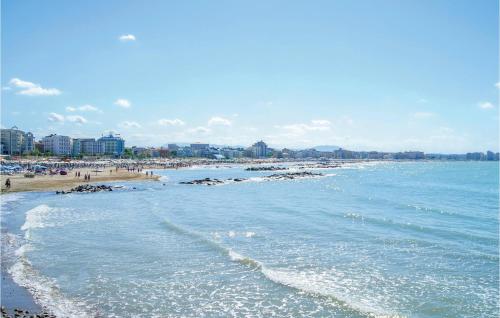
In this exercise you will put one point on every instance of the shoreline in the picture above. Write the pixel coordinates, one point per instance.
(16, 297)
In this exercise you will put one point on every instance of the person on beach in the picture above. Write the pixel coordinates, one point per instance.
(7, 183)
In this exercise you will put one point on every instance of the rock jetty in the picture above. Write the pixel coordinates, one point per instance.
(266, 168)
(87, 188)
(206, 181)
(293, 175)
(277, 176)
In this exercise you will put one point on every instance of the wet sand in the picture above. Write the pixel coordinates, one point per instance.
(14, 296)
(19, 183)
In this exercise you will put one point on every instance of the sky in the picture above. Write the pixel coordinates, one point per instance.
(387, 75)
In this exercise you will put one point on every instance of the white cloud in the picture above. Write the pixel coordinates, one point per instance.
(199, 130)
(423, 115)
(497, 84)
(127, 37)
(76, 119)
(301, 129)
(123, 103)
(16, 82)
(219, 121)
(486, 105)
(56, 117)
(88, 108)
(129, 124)
(84, 108)
(39, 91)
(32, 89)
(171, 122)
(321, 122)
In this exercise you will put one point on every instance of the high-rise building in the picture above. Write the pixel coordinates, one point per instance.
(112, 145)
(57, 145)
(259, 150)
(16, 142)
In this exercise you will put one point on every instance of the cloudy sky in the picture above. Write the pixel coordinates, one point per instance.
(372, 75)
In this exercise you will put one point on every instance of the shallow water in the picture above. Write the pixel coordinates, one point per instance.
(381, 239)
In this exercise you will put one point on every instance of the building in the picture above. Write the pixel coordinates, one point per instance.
(490, 155)
(16, 142)
(173, 147)
(231, 153)
(199, 146)
(112, 145)
(184, 152)
(87, 147)
(259, 149)
(57, 145)
(142, 152)
(474, 156)
(39, 146)
(199, 149)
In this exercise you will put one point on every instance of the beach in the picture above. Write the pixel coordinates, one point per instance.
(19, 183)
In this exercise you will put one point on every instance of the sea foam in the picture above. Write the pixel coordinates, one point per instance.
(35, 218)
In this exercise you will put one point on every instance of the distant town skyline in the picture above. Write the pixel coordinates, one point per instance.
(379, 75)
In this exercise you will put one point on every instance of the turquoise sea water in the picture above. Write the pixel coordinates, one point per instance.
(411, 239)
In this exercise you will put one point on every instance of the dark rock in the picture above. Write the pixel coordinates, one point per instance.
(87, 188)
(266, 168)
(206, 181)
(294, 175)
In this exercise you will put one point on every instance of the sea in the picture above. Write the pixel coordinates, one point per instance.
(368, 239)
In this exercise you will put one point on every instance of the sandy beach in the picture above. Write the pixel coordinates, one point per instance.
(19, 183)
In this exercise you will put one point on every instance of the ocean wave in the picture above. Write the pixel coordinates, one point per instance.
(296, 280)
(235, 257)
(267, 179)
(35, 218)
(44, 216)
(307, 283)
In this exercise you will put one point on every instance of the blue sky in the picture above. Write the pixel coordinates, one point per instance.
(365, 75)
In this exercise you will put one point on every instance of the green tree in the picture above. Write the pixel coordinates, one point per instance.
(128, 153)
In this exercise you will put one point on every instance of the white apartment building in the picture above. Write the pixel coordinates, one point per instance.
(57, 145)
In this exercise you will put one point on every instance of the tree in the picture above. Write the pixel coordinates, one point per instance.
(128, 153)
(35, 152)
